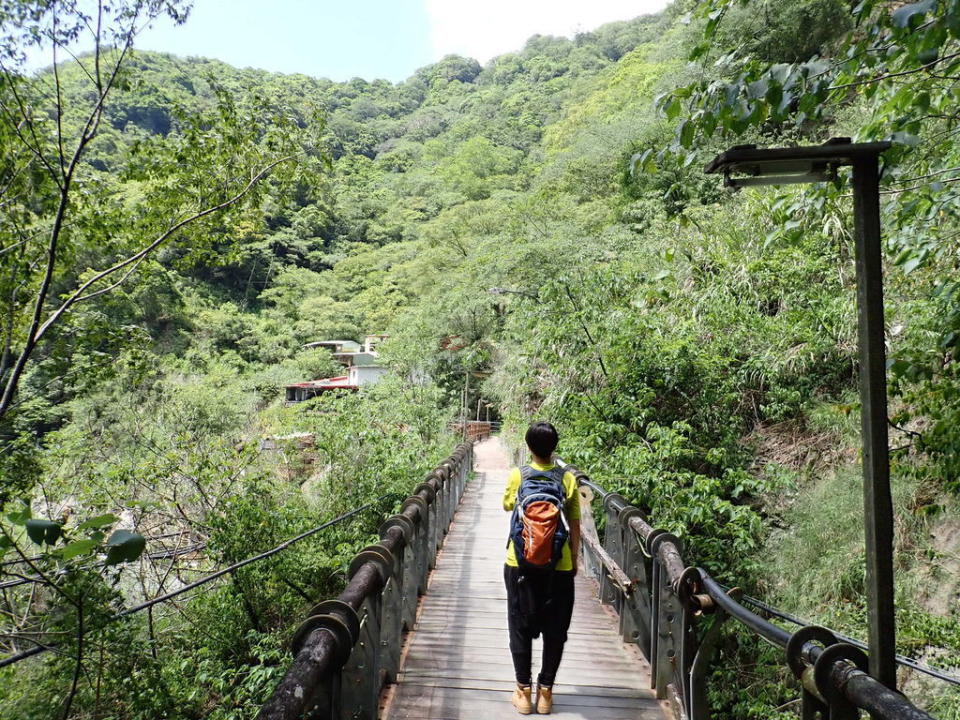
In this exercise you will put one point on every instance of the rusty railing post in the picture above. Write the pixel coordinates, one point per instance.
(635, 614)
(391, 623)
(612, 541)
(360, 677)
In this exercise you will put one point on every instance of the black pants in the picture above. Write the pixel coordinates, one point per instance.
(538, 603)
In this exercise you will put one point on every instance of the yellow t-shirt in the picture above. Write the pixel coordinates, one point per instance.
(571, 508)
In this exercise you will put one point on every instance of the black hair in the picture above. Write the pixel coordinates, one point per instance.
(542, 439)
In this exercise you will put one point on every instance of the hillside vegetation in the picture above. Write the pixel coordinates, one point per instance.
(538, 229)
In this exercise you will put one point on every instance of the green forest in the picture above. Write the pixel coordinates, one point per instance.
(538, 239)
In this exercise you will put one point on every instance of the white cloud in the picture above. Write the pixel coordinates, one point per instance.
(488, 28)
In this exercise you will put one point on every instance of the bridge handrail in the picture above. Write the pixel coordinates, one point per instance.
(900, 659)
(662, 604)
(349, 647)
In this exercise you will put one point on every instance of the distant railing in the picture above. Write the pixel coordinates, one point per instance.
(476, 430)
(663, 606)
(348, 648)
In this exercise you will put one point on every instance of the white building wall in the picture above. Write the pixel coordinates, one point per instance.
(366, 374)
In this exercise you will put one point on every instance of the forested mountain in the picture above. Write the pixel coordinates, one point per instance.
(540, 226)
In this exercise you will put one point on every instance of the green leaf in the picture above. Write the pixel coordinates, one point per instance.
(732, 94)
(673, 109)
(21, 515)
(897, 367)
(98, 522)
(904, 15)
(760, 112)
(808, 103)
(785, 102)
(910, 265)
(708, 123)
(37, 530)
(124, 546)
(640, 161)
(758, 89)
(925, 57)
(713, 21)
(698, 51)
(774, 96)
(686, 133)
(780, 72)
(43, 531)
(816, 67)
(80, 547)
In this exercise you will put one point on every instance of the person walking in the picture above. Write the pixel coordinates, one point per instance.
(541, 564)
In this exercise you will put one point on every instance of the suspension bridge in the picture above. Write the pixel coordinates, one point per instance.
(457, 663)
(420, 630)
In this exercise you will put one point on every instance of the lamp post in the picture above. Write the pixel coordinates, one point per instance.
(748, 165)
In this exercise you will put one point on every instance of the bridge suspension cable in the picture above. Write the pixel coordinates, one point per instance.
(41, 648)
(901, 659)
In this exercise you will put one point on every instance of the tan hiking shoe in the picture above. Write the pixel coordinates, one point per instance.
(522, 701)
(544, 700)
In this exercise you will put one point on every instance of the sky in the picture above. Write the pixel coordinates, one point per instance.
(390, 39)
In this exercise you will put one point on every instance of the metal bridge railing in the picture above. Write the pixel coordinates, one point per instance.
(348, 648)
(662, 605)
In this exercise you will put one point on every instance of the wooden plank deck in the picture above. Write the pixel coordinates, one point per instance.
(457, 661)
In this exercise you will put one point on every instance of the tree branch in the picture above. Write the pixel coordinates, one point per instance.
(78, 294)
(888, 76)
(17, 129)
(586, 331)
(79, 666)
(12, 179)
(89, 131)
(58, 105)
(29, 562)
(115, 285)
(917, 187)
